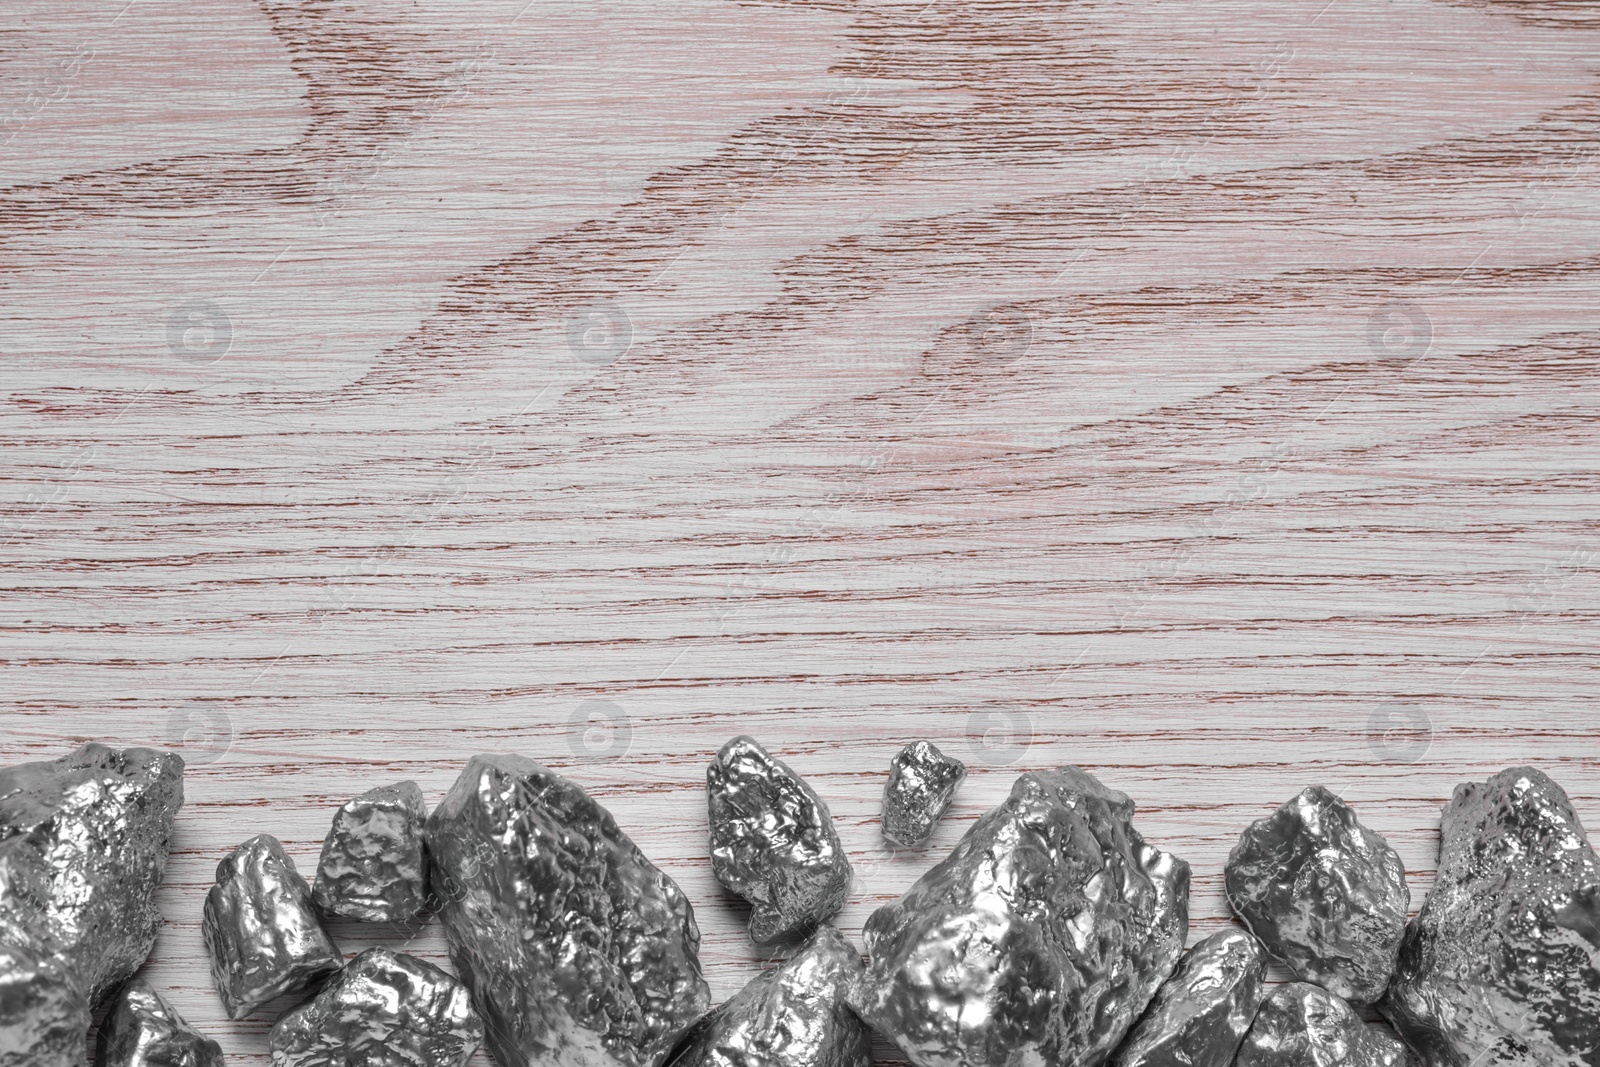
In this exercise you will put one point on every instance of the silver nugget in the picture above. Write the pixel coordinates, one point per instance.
(1325, 894)
(372, 865)
(1201, 1013)
(1502, 965)
(773, 842)
(793, 1015)
(83, 847)
(1038, 940)
(261, 930)
(577, 950)
(143, 1030)
(922, 782)
(1304, 1025)
(385, 1009)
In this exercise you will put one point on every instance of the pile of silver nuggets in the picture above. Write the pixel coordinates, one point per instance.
(1052, 935)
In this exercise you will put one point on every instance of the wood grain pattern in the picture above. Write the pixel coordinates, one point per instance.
(1205, 394)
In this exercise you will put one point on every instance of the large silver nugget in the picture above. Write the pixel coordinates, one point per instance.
(577, 950)
(1325, 894)
(793, 1015)
(1038, 940)
(1502, 965)
(263, 934)
(1304, 1025)
(922, 782)
(1201, 1013)
(385, 1009)
(143, 1030)
(83, 847)
(372, 865)
(773, 842)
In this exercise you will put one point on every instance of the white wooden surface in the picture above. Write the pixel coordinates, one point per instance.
(1204, 394)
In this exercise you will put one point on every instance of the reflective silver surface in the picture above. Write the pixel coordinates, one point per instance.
(773, 842)
(372, 865)
(1502, 964)
(1304, 1025)
(143, 1030)
(793, 1015)
(385, 1009)
(1201, 1013)
(44, 1016)
(577, 950)
(1038, 940)
(922, 782)
(83, 846)
(264, 936)
(1323, 893)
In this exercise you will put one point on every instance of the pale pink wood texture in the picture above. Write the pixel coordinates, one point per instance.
(1204, 393)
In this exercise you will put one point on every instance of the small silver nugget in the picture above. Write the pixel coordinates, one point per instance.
(261, 930)
(922, 782)
(372, 866)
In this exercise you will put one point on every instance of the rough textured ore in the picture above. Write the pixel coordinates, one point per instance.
(83, 847)
(143, 1030)
(261, 930)
(43, 1014)
(372, 865)
(1304, 1025)
(773, 842)
(577, 950)
(1201, 1013)
(1502, 965)
(793, 1015)
(922, 782)
(385, 1009)
(1323, 893)
(1038, 940)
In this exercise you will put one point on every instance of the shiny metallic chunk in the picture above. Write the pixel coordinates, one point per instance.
(1038, 940)
(1325, 894)
(1304, 1025)
(773, 842)
(44, 1016)
(577, 950)
(83, 847)
(143, 1030)
(385, 1009)
(263, 934)
(922, 782)
(793, 1015)
(1201, 1013)
(1502, 965)
(372, 865)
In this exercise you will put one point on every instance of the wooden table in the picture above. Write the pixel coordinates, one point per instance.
(1201, 393)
